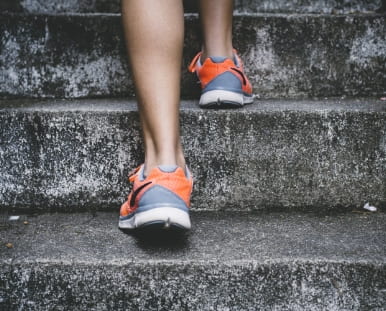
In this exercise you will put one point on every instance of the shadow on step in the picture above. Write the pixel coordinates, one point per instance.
(153, 238)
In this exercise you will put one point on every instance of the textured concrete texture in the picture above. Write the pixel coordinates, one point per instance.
(292, 56)
(249, 6)
(308, 6)
(270, 155)
(286, 261)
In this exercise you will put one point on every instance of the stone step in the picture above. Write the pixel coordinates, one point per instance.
(286, 56)
(273, 154)
(249, 6)
(229, 261)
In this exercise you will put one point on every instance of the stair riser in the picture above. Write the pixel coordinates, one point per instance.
(240, 159)
(206, 286)
(250, 6)
(285, 56)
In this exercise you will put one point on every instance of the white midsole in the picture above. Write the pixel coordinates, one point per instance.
(215, 96)
(169, 215)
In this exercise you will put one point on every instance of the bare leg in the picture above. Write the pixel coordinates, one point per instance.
(154, 32)
(216, 22)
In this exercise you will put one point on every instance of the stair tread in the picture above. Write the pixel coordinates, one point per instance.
(264, 105)
(196, 15)
(241, 5)
(223, 237)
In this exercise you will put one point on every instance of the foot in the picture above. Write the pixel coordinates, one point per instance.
(161, 199)
(223, 82)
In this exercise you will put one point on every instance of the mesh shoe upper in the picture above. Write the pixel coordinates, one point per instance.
(225, 74)
(157, 189)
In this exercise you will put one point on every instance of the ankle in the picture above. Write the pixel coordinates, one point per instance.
(224, 52)
(152, 162)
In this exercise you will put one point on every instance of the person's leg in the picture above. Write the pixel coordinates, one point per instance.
(154, 34)
(220, 71)
(162, 187)
(216, 22)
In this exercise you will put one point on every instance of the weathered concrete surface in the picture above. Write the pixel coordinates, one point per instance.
(286, 56)
(308, 6)
(249, 6)
(271, 155)
(229, 261)
(62, 56)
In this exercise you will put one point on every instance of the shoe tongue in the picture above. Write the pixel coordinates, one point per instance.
(168, 168)
(218, 59)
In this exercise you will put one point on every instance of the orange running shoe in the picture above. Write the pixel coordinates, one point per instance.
(161, 199)
(223, 82)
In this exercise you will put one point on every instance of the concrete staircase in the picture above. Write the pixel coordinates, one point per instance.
(277, 209)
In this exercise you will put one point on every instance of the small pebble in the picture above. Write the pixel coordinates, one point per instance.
(370, 208)
(26, 222)
(9, 245)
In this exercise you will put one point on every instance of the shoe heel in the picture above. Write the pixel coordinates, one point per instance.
(166, 216)
(221, 99)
